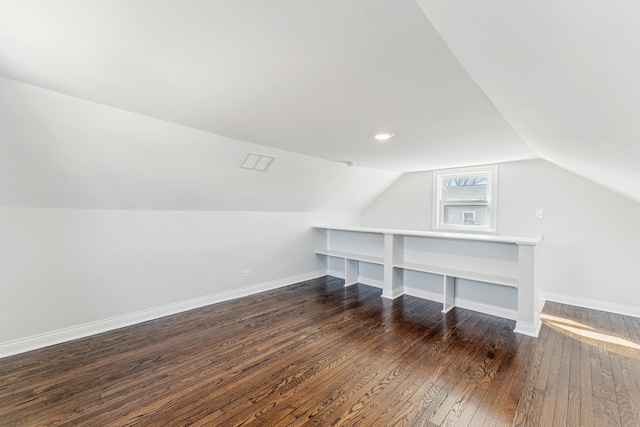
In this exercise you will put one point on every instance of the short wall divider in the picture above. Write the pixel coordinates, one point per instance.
(503, 260)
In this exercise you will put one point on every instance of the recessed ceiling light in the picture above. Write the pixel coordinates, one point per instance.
(383, 136)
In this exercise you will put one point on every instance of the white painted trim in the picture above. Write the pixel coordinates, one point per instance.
(464, 303)
(437, 234)
(611, 307)
(371, 282)
(493, 310)
(419, 293)
(364, 280)
(528, 329)
(438, 175)
(81, 331)
(393, 293)
(335, 273)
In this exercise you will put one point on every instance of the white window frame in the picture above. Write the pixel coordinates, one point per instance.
(491, 172)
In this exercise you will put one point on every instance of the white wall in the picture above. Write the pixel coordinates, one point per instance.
(58, 151)
(105, 213)
(405, 204)
(572, 95)
(591, 235)
(63, 268)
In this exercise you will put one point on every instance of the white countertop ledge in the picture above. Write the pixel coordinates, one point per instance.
(439, 234)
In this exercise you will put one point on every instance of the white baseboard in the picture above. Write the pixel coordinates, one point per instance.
(432, 296)
(371, 282)
(393, 293)
(81, 331)
(594, 304)
(419, 293)
(335, 273)
(463, 303)
(528, 329)
(364, 280)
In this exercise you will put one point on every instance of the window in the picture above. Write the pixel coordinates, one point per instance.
(465, 199)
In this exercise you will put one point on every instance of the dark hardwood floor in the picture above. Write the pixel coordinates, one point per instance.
(319, 354)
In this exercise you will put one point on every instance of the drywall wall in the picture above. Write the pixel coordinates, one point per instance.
(64, 152)
(591, 235)
(406, 204)
(106, 214)
(62, 268)
(560, 73)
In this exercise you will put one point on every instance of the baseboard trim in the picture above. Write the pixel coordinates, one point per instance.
(464, 303)
(419, 293)
(393, 293)
(593, 304)
(35, 342)
(335, 273)
(528, 329)
(364, 280)
(371, 282)
(492, 310)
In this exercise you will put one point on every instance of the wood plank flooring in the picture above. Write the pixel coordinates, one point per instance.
(317, 353)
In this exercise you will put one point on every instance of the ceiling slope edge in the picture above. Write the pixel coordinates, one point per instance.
(567, 90)
(63, 152)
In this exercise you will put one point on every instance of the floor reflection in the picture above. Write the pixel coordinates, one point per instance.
(586, 333)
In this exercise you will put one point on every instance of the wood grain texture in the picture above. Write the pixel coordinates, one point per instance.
(317, 353)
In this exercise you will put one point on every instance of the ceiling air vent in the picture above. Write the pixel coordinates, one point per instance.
(256, 162)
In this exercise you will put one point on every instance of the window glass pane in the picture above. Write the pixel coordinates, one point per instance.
(466, 188)
(460, 214)
(465, 199)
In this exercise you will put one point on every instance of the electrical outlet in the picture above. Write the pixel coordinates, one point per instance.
(539, 213)
(246, 273)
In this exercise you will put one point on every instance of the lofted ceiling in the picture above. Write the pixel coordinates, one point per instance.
(63, 152)
(313, 77)
(460, 83)
(564, 74)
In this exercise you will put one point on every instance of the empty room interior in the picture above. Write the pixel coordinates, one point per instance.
(298, 212)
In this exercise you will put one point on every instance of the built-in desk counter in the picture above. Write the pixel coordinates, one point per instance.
(502, 260)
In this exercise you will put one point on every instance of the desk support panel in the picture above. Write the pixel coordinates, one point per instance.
(506, 261)
(448, 300)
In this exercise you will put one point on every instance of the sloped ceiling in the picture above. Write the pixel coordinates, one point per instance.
(62, 152)
(111, 87)
(564, 74)
(313, 77)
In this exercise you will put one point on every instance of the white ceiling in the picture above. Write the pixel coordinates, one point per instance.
(461, 83)
(58, 151)
(565, 74)
(314, 77)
